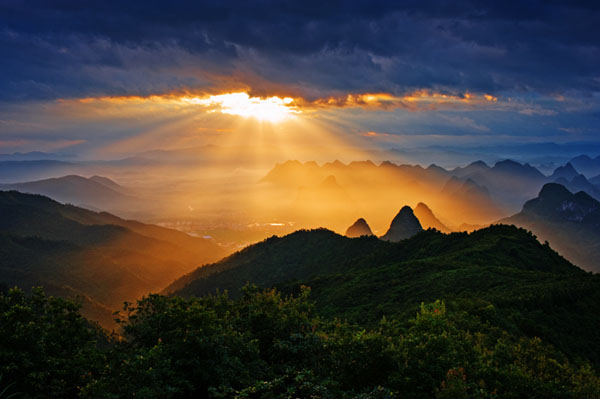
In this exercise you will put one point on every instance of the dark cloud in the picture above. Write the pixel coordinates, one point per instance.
(55, 49)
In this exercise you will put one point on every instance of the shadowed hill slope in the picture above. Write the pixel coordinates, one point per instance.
(570, 222)
(98, 255)
(428, 219)
(537, 292)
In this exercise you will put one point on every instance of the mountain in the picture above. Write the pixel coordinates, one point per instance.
(580, 183)
(595, 180)
(74, 251)
(105, 181)
(463, 195)
(511, 168)
(587, 165)
(294, 173)
(358, 229)
(574, 181)
(323, 202)
(569, 222)
(467, 188)
(14, 171)
(363, 279)
(466, 200)
(474, 168)
(32, 156)
(508, 183)
(403, 226)
(96, 192)
(567, 172)
(428, 219)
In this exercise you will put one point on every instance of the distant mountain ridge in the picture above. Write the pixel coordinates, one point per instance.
(477, 193)
(587, 165)
(570, 222)
(97, 191)
(569, 177)
(369, 187)
(567, 172)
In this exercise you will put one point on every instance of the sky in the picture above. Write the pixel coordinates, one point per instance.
(108, 79)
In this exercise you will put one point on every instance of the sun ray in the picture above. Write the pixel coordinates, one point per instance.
(272, 109)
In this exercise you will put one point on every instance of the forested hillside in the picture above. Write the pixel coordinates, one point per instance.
(534, 290)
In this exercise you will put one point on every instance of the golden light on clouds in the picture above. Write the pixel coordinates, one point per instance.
(417, 100)
(277, 109)
(272, 109)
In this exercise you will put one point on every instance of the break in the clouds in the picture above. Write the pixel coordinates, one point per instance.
(527, 69)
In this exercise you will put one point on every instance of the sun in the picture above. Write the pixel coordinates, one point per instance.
(272, 109)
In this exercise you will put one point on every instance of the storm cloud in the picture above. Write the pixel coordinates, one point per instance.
(313, 49)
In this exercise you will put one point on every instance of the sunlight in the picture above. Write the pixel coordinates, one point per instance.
(272, 109)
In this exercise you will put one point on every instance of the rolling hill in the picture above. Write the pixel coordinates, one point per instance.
(536, 291)
(106, 259)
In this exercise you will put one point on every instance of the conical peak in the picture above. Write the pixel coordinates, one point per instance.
(359, 228)
(404, 225)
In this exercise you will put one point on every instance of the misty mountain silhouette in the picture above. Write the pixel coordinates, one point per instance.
(570, 222)
(580, 183)
(477, 167)
(105, 181)
(566, 172)
(377, 187)
(294, 173)
(587, 165)
(509, 183)
(512, 168)
(97, 192)
(330, 183)
(403, 226)
(33, 170)
(467, 188)
(71, 250)
(428, 219)
(15, 171)
(358, 229)
(472, 195)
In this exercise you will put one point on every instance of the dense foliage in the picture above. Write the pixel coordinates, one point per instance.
(536, 291)
(263, 345)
